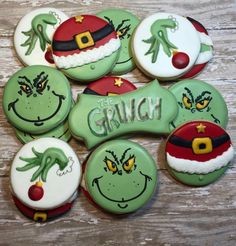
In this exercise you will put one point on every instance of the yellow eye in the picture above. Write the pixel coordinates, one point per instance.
(111, 165)
(202, 104)
(25, 88)
(187, 102)
(129, 164)
(41, 85)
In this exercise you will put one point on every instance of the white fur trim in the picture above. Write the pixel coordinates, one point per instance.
(89, 56)
(205, 39)
(191, 166)
(204, 57)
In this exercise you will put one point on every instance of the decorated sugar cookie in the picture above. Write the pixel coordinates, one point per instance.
(45, 174)
(33, 35)
(109, 86)
(150, 108)
(198, 153)
(85, 47)
(120, 176)
(206, 52)
(124, 24)
(37, 99)
(198, 100)
(165, 46)
(61, 132)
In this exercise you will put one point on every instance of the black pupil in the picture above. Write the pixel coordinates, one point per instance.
(202, 102)
(188, 100)
(202, 146)
(84, 40)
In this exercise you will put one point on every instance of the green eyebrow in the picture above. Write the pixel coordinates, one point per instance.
(202, 95)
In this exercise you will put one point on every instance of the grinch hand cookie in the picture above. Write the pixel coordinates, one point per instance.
(165, 46)
(45, 175)
(33, 36)
(198, 100)
(198, 153)
(124, 24)
(120, 176)
(150, 108)
(85, 47)
(109, 86)
(37, 99)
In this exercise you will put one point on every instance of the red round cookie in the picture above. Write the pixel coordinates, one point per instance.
(109, 86)
(42, 216)
(197, 68)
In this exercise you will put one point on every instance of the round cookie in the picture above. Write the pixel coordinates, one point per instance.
(44, 215)
(165, 46)
(37, 99)
(198, 153)
(33, 35)
(124, 24)
(114, 166)
(45, 174)
(206, 52)
(85, 47)
(61, 132)
(109, 86)
(198, 100)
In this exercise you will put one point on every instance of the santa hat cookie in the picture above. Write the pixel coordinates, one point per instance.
(45, 176)
(109, 86)
(85, 47)
(198, 153)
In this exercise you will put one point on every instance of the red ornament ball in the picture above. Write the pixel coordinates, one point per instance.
(180, 60)
(36, 191)
(48, 56)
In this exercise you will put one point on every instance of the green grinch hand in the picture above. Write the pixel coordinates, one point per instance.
(160, 37)
(45, 161)
(38, 31)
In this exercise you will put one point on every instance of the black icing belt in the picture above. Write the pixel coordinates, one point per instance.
(72, 44)
(216, 142)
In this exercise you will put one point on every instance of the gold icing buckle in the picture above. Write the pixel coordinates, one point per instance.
(40, 216)
(202, 146)
(84, 40)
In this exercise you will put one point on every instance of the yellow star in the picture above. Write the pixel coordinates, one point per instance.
(118, 82)
(200, 128)
(79, 18)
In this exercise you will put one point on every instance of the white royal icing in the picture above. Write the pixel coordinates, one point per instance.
(205, 39)
(37, 56)
(196, 167)
(184, 37)
(204, 57)
(58, 189)
(89, 56)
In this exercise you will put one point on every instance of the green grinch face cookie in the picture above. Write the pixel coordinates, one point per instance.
(36, 99)
(85, 47)
(198, 100)
(120, 176)
(124, 24)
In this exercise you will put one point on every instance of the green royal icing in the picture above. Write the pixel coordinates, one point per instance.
(160, 38)
(198, 100)
(44, 161)
(124, 24)
(37, 98)
(121, 176)
(98, 118)
(38, 32)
